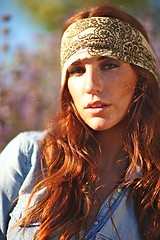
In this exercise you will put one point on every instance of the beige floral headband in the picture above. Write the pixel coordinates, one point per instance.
(104, 36)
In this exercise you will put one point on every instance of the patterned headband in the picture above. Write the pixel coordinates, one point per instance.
(104, 36)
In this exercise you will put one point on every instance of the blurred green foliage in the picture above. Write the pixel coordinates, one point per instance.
(52, 13)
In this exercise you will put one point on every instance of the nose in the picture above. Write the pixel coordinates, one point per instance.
(93, 80)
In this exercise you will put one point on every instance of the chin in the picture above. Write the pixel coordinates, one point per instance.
(103, 126)
(99, 128)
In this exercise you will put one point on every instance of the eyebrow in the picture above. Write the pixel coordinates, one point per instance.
(108, 58)
(100, 58)
(78, 61)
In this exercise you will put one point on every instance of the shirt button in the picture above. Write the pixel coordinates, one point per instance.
(96, 223)
(119, 190)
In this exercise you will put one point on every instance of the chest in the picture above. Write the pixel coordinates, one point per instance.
(115, 220)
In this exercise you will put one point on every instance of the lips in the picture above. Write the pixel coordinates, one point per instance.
(97, 108)
(96, 105)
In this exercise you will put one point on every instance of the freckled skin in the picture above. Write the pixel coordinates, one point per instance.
(101, 80)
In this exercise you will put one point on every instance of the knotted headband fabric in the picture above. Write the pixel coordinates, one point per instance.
(105, 36)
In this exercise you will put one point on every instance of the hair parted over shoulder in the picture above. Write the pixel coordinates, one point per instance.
(70, 155)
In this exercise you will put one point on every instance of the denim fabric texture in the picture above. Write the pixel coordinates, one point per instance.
(19, 168)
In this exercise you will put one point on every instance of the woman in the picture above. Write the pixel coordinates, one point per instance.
(95, 172)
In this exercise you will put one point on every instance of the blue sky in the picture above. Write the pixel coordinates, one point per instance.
(23, 31)
(22, 26)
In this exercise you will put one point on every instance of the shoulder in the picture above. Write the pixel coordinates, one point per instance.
(23, 143)
(20, 154)
(26, 140)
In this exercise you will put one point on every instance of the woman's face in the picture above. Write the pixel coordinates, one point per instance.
(102, 90)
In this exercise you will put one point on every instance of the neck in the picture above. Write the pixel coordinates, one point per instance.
(113, 160)
(111, 141)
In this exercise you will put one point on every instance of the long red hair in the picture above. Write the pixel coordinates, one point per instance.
(70, 155)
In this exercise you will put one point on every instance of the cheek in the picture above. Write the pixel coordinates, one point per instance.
(125, 102)
(75, 94)
(124, 98)
(71, 90)
(75, 89)
(127, 88)
(127, 81)
(128, 93)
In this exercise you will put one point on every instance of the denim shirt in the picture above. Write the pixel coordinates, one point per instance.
(19, 165)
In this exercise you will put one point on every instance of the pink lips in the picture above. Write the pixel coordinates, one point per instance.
(96, 107)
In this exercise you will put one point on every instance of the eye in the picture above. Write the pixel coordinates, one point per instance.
(109, 65)
(78, 70)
